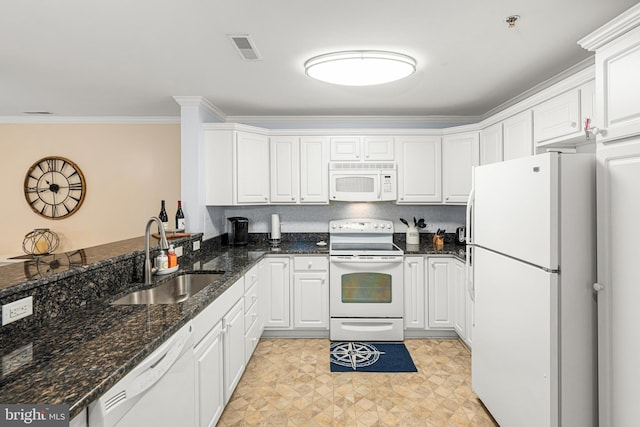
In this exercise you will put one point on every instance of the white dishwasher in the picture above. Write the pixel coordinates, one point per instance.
(159, 392)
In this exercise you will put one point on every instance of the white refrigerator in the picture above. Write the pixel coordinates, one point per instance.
(532, 268)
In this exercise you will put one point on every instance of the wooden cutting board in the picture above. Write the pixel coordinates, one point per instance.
(172, 235)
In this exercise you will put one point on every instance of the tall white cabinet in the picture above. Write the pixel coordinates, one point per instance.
(617, 47)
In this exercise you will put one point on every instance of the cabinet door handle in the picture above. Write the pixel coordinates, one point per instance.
(597, 287)
(293, 198)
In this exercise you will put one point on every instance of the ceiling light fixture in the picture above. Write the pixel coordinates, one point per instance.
(360, 67)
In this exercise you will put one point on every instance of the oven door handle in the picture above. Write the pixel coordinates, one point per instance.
(366, 261)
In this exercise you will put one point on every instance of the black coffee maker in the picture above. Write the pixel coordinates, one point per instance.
(238, 230)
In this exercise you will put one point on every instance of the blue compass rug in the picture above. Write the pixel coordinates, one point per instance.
(370, 357)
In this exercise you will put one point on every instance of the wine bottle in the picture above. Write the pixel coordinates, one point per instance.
(163, 217)
(180, 223)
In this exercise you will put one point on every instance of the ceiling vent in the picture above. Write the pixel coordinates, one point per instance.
(245, 47)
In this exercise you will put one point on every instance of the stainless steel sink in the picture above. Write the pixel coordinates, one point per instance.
(175, 290)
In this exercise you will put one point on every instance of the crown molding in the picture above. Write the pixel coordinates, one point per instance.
(618, 26)
(297, 122)
(202, 102)
(568, 75)
(52, 119)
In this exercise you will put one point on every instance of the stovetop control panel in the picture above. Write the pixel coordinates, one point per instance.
(368, 226)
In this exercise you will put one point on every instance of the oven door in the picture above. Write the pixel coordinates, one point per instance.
(366, 286)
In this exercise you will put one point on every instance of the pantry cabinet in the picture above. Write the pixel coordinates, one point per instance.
(460, 154)
(441, 295)
(414, 292)
(311, 292)
(357, 148)
(491, 144)
(275, 292)
(419, 169)
(518, 136)
(617, 52)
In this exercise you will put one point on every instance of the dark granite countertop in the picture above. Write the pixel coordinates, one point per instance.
(79, 355)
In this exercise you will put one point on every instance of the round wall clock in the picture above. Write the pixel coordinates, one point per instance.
(54, 187)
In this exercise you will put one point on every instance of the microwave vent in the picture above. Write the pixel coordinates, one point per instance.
(366, 165)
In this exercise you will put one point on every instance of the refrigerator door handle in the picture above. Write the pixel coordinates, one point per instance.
(470, 203)
(469, 273)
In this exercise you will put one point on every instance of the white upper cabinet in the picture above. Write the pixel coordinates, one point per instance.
(618, 85)
(236, 167)
(356, 148)
(491, 144)
(518, 136)
(419, 169)
(284, 169)
(252, 165)
(557, 118)
(460, 153)
(378, 147)
(314, 170)
(561, 120)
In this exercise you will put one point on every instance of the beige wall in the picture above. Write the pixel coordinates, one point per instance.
(128, 168)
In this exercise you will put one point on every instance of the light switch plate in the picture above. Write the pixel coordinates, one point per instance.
(17, 310)
(179, 251)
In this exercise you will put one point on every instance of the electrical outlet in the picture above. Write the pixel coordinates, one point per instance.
(17, 310)
(196, 245)
(179, 251)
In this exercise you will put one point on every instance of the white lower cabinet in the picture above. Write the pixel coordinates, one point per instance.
(209, 367)
(216, 345)
(440, 292)
(275, 292)
(234, 363)
(311, 292)
(253, 323)
(79, 420)
(459, 298)
(414, 292)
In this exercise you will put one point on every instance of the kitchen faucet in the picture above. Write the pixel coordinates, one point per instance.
(148, 271)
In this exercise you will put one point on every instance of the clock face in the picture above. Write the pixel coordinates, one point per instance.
(54, 187)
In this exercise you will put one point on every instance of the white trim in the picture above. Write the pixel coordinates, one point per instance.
(202, 102)
(52, 119)
(613, 29)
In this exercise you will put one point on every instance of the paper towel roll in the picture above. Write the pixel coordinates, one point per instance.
(275, 226)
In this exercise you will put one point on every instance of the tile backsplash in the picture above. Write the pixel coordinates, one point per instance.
(313, 219)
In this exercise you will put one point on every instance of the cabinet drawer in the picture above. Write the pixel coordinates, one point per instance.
(250, 316)
(250, 298)
(251, 338)
(310, 263)
(251, 277)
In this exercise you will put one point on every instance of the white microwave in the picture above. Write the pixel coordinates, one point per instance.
(362, 182)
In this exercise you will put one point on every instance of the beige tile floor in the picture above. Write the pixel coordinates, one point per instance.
(288, 383)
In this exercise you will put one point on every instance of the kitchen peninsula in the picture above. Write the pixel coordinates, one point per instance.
(76, 345)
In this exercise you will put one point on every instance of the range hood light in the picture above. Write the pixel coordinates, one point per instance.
(360, 67)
